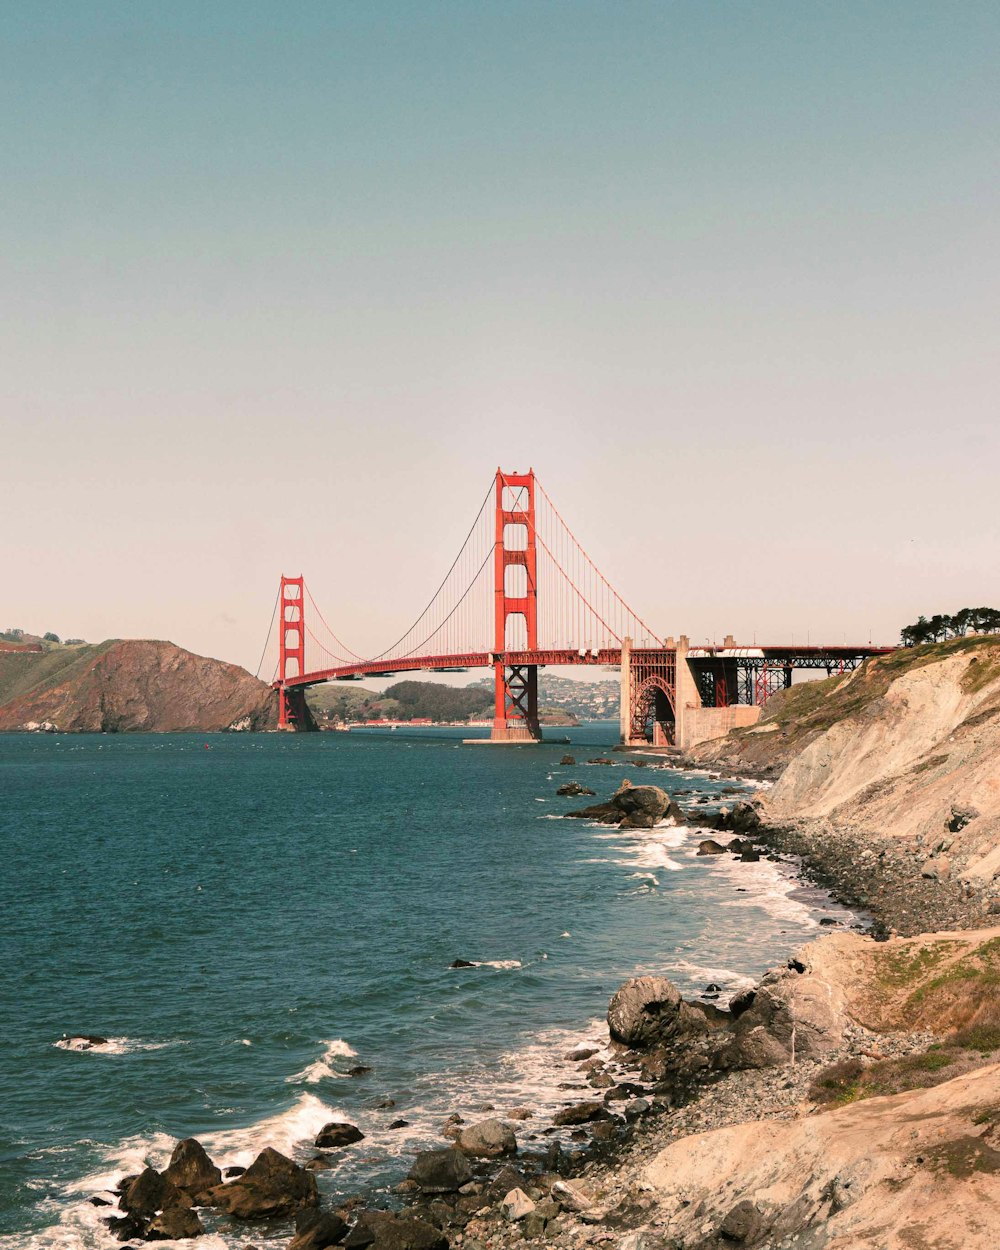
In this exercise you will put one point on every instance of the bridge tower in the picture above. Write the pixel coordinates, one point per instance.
(292, 712)
(515, 704)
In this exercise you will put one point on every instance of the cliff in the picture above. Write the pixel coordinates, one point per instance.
(906, 748)
(128, 686)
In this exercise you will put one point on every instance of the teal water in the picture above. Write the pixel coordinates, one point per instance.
(245, 917)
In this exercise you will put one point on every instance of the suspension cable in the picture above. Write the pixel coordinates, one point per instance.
(274, 612)
(385, 654)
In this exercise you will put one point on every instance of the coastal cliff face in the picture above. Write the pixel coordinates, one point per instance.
(907, 747)
(128, 686)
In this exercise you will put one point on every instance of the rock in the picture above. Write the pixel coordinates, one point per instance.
(581, 1113)
(174, 1224)
(643, 806)
(271, 1186)
(400, 1124)
(191, 1169)
(568, 761)
(461, 963)
(520, 1113)
(99, 1202)
(150, 1192)
(516, 1205)
(750, 857)
(384, 1230)
(937, 868)
(632, 807)
(125, 1227)
(742, 1001)
(315, 1230)
(637, 1109)
(234, 1171)
(337, 1133)
(359, 1069)
(572, 1195)
(572, 788)
(623, 1091)
(643, 1011)
(440, 1171)
(580, 1054)
(711, 847)
(601, 1080)
(82, 1041)
(792, 1011)
(713, 988)
(489, 1139)
(742, 1223)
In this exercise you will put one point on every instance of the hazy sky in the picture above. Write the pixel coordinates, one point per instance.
(282, 284)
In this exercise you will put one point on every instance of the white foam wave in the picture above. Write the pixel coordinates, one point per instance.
(286, 1131)
(644, 876)
(499, 963)
(325, 1065)
(110, 1045)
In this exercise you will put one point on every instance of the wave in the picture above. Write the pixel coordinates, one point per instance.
(325, 1065)
(84, 1045)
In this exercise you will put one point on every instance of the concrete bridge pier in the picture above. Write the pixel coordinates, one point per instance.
(515, 703)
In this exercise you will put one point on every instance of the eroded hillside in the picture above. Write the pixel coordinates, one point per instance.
(125, 686)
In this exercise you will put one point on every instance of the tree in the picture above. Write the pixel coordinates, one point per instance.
(50, 637)
(941, 626)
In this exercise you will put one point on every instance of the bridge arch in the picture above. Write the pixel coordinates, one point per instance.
(654, 696)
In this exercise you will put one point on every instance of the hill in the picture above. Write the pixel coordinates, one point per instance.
(125, 686)
(893, 767)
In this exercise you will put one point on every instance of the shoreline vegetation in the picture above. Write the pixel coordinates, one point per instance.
(850, 1099)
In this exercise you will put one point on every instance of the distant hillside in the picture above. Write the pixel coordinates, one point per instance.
(406, 700)
(560, 701)
(125, 686)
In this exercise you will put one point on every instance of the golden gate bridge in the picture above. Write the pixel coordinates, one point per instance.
(523, 594)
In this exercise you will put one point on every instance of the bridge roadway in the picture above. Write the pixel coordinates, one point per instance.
(453, 664)
(813, 657)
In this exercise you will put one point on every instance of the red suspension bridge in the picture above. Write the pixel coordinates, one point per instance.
(523, 594)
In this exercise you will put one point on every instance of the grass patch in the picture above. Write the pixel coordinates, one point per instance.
(965, 1156)
(851, 1081)
(896, 969)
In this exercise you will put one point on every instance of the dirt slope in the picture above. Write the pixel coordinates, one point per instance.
(908, 747)
(124, 686)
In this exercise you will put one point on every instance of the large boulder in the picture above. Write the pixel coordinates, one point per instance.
(632, 807)
(440, 1171)
(337, 1133)
(315, 1230)
(582, 1113)
(271, 1186)
(790, 1014)
(384, 1230)
(191, 1169)
(150, 1192)
(174, 1224)
(642, 806)
(489, 1139)
(645, 1010)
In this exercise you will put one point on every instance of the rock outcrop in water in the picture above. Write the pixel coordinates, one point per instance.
(131, 686)
(632, 807)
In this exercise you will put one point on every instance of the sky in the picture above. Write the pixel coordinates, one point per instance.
(282, 285)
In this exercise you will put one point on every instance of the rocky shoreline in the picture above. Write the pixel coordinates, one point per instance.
(674, 1070)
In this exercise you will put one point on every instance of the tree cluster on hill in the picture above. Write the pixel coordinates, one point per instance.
(941, 627)
(439, 703)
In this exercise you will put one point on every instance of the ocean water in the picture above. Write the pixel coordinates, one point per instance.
(246, 917)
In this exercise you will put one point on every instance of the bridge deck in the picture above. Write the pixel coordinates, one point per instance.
(795, 656)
